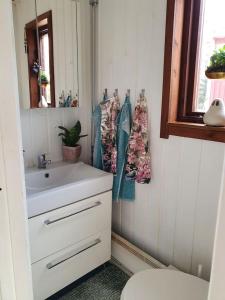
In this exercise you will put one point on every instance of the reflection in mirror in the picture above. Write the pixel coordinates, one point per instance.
(47, 46)
(39, 42)
(46, 74)
(23, 13)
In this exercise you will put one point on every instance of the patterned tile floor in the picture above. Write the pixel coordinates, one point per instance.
(105, 283)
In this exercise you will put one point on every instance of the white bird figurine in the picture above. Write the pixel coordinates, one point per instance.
(215, 116)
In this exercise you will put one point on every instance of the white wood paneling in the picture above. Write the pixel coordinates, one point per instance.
(54, 143)
(127, 215)
(211, 168)
(168, 199)
(173, 218)
(186, 203)
(39, 128)
(40, 132)
(217, 288)
(116, 215)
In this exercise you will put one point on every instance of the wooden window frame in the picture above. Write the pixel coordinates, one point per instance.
(32, 55)
(180, 60)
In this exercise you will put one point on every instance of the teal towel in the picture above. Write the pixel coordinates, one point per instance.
(122, 188)
(97, 155)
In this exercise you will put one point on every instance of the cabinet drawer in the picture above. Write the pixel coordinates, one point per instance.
(66, 226)
(53, 273)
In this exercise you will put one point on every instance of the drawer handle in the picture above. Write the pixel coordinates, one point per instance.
(49, 222)
(73, 254)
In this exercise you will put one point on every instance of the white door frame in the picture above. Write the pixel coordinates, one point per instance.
(15, 266)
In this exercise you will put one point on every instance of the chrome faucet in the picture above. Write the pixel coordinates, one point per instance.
(42, 161)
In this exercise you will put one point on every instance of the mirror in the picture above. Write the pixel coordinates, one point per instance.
(47, 46)
(23, 12)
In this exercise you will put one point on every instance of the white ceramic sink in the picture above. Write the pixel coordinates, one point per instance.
(62, 184)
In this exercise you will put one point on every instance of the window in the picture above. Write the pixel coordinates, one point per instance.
(44, 62)
(194, 28)
(212, 37)
(40, 60)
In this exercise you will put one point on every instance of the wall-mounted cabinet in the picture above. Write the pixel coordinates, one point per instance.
(47, 36)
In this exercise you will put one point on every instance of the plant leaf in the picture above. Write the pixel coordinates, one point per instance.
(63, 128)
(78, 127)
(83, 135)
(62, 134)
(70, 137)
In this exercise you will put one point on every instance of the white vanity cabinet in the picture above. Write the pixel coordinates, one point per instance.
(68, 242)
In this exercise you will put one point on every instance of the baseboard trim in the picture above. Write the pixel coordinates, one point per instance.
(121, 266)
(131, 257)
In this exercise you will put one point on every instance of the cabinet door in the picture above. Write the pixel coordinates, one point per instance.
(53, 273)
(58, 229)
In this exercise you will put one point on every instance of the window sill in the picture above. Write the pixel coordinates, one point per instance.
(196, 131)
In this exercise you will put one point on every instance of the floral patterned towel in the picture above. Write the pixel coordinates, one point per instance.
(138, 157)
(110, 110)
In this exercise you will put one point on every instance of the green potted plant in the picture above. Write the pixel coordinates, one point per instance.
(44, 79)
(216, 68)
(70, 137)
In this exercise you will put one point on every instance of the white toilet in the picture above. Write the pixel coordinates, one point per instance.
(162, 284)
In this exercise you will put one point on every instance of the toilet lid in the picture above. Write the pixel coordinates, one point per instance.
(161, 284)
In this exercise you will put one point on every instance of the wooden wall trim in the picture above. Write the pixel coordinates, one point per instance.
(51, 58)
(167, 67)
(197, 131)
(172, 58)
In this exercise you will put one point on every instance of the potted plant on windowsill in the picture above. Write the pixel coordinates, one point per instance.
(216, 68)
(70, 137)
(44, 80)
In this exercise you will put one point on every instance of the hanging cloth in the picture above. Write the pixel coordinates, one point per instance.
(109, 114)
(97, 155)
(138, 157)
(122, 188)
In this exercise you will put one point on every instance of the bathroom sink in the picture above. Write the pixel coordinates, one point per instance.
(62, 184)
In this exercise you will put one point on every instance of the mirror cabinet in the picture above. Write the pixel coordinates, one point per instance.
(47, 48)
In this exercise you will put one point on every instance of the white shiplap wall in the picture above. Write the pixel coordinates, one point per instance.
(173, 218)
(40, 132)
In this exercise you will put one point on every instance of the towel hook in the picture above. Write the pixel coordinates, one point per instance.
(105, 94)
(128, 93)
(115, 94)
(142, 94)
